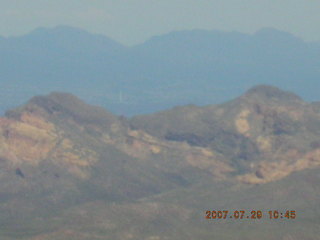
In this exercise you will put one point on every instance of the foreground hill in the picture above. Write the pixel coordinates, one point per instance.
(69, 170)
(267, 131)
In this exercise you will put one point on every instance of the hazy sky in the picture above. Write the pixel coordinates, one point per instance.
(133, 21)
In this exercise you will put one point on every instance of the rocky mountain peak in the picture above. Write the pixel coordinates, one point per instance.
(266, 92)
(66, 106)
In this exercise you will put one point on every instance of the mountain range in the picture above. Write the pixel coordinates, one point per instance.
(199, 67)
(70, 170)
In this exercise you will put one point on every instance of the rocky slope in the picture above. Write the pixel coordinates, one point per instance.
(69, 170)
(266, 132)
(62, 131)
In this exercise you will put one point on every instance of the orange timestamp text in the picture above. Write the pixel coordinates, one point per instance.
(251, 214)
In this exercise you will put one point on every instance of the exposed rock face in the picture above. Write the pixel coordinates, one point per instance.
(267, 131)
(62, 131)
(32, 139)
(28, 140)
(91, 173)
(291, 162)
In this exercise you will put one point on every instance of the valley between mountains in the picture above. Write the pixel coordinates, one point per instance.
(69, 170)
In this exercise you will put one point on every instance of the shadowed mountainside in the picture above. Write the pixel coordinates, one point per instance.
(69, 170)
(267, 131)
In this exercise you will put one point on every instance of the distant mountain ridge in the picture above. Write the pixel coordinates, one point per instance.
(186, 67)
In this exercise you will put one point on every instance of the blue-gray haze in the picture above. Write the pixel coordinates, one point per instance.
(184, 67)
(134, 21)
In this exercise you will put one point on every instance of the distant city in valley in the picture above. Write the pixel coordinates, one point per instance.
(186, 67)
